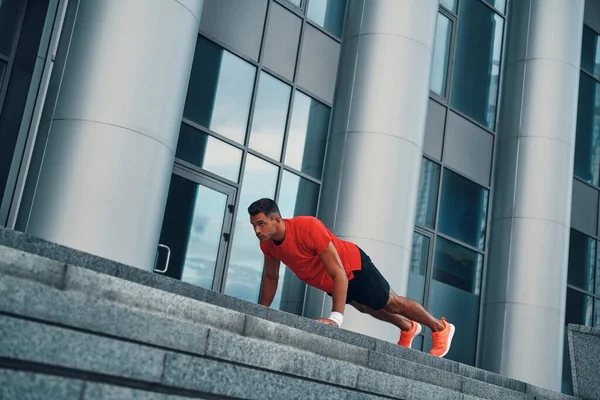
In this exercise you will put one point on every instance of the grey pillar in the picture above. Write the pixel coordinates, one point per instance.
(524, 303)
(110, 133)
(375, 151)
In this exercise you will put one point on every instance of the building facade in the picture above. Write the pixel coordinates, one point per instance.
(455, 141)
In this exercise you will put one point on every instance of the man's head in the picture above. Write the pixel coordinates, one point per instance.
(265, 218)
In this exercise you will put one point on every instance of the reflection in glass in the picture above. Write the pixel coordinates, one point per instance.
(457, 266)
(328, 14)
(209, 153)
(587, 142)
(270, 115)
(449, 4)
(428, 192)
(582, 253)
(477, 62)
(2, 69)
(9, 12)
(220, 91)
(590, 52)
(418, 267)
(499, 5)
(463, 209)
(441, 55)
(297, 196)
(297, 3)
(305, 148)
(192, 229)
(246, 260)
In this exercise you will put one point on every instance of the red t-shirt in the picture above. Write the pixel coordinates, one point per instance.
(305, 239)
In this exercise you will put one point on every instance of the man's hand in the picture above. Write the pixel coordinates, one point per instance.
(328, 321)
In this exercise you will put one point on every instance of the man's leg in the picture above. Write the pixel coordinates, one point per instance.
(400, 321)
(412, 310)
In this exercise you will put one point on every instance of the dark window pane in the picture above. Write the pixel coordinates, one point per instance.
(297, 196)
(477, 62)
(9, 15)
(305, 148)
(454, 294)
(449, 4)
(428, 193)
(587, 142)
(463, 209)
(441, 54)
(2, 70)
(590, 52)
(328, 14)
(270, 116)
(457, 266)
(582, 253)
(418, 267)
(220, 91)
(209, 153)
(192, 229)
(579, 308)
(246, 261)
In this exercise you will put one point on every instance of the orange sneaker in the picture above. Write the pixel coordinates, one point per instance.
(406, 338)
(442, 340)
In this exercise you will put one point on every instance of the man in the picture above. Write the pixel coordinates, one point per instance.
(339, 268)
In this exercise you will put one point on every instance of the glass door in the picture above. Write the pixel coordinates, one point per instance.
(196, 228)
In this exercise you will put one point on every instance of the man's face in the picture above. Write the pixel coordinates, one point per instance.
(264, 227)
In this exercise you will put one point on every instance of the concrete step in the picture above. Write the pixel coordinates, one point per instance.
(51, 292)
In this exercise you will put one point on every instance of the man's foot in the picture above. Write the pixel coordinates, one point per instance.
(442, 340)
(407, 337)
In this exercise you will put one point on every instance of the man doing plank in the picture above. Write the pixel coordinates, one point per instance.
(342, 270)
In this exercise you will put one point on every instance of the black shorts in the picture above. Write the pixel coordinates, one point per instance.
(368, 287)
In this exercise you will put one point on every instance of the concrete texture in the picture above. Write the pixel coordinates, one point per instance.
(584, 352)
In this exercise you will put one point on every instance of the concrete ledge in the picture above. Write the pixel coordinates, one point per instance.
(584, 352)
(31, 386)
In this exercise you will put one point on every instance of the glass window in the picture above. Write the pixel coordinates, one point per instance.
(297, 196)
(428, 192)
(305, 148)
(454, 293)
(587, 142)
(441, 55)
(579, 308)
(499, 5)
(449, 4)
(297, 3)
(2, 69)
(246, 260)
(597, 319)
(590, 52)
(220, 91)
(418, 267)
(463, 209)
(477, 62)
(9, 15)
(582, 253)
(328, 14)
(270, 116)
(457, 266)
(209, 153)
(192, 229)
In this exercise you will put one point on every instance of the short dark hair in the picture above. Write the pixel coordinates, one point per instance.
(266, 206)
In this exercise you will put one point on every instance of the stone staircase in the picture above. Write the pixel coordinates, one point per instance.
(74, 326)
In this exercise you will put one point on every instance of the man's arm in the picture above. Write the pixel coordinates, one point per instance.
(270, 281)
(333, 265)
